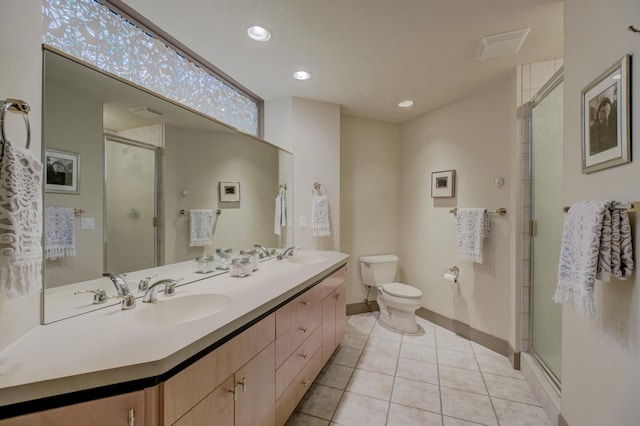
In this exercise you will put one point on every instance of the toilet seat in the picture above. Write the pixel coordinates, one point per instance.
(401, 290)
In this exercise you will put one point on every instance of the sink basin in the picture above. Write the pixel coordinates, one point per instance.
(307, 260)
(181, 309)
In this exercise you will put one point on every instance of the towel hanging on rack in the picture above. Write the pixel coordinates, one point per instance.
(472, 227)
(320, 226)
(59, 232)
(280, 218)
(20, 221)
(200, 227)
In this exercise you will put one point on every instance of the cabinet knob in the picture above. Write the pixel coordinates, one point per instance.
(304, 329)
(234, 391)
(244, 384)
(304, 356)
(305, 383)
(131, 418)
(307, 303)
(337, 296)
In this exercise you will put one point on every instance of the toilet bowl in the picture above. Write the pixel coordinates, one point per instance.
(398, 302)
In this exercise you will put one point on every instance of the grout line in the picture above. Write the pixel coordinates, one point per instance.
(475, 356)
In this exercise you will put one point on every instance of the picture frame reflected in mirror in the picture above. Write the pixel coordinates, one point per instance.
(61, 171)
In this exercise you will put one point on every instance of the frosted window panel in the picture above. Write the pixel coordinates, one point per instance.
(93, 33)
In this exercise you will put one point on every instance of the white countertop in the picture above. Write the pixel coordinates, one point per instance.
(107, 346)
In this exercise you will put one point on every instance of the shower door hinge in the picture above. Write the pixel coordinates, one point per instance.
(155, 222)
(532, 227)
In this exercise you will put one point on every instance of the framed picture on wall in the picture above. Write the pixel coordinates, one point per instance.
(62, 171)
(605, 119)
(229, 192)
(443, 184)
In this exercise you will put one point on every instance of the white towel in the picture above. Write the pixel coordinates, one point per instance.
(320, 226)
(596, 243)
(20, 222)
(472, 227)
(59, 232)
(201, 227)
(280, 220)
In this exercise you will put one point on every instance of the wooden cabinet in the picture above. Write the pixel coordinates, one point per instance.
(334, 312)
(252, 351)
(126, 409)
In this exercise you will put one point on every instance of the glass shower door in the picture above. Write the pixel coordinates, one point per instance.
(547, 215)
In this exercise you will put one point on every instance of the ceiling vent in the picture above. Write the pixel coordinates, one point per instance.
(145, 111)
(501, 44)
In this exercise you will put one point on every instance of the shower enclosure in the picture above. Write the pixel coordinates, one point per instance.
(546, 225)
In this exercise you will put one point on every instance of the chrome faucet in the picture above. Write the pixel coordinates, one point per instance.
(143, 285)
(287, 252)
(151, 295)
(128, 299)
(264, 251)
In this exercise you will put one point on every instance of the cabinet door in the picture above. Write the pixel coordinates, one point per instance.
(216, 409)
(255, 385)
(328, 327)
(126, 409)
(341, 312)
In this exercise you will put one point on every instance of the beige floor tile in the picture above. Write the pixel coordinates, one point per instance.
(383, 346)
(356, 341)
(417, 370)
(423, 396)
(383, 331)
(363, 326)
(458, 359)
(418, 352)
(357, 410)
(380, 363)
(452, 341)
(450, 421)
(335, 376)
(511, 389)
(320, 401)
(428, 339)
(512, 413)
(468, 406)
(301, 419)
(462, 379)
(345, 356)
(400, 415)
(369, 383)
(481, 350)
(499, 366)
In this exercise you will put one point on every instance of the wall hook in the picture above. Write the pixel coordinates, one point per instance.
(633, 29)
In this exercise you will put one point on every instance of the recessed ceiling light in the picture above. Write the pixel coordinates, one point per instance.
(259, 33)
(405, 104)
(302, 75)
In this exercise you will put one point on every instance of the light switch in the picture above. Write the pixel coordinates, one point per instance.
(88, 223)
(303, 221)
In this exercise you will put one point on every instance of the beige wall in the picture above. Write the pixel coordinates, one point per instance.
(475, 137)
(370, 171)
(600, 357)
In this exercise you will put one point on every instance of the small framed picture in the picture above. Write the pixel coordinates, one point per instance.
(605, 119)
(62, 172)
(229, 192)
(443, 184)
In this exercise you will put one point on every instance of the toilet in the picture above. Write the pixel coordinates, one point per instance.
(398, 302)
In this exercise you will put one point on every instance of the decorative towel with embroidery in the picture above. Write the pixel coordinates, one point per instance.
(200, 227)
(320, 226)
(59, 232)
(280, 220)
(20, 221)
(596, 244)
(472, 227)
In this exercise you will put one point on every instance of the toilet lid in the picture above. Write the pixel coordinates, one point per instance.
(402, 290)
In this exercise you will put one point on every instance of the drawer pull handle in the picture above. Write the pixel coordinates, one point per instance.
(304, 329)
(244, 384)
(131, 418)
(304, 356)
(305, 383)
(337, 296)
(307, 303)
(235, 393)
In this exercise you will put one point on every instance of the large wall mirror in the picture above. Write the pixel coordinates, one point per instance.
(132, 166)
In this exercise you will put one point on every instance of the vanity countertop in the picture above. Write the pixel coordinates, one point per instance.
(107, 347)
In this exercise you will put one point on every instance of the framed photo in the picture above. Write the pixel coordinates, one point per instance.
(606, 138)
(443, 184)
(62, 173)
(229, 192)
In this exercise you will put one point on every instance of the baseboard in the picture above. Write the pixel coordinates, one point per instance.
(362, 307)
(491, 342)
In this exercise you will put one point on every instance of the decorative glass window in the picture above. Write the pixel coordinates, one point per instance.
(99, 36)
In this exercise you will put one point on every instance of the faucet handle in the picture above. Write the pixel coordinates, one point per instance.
(128, 301)
(143, 285)
(170, 288)
(99, 295)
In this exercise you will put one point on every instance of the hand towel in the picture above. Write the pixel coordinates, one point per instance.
(320, 226)
(280, 220)
(472, 227)
(596, 243)
(201, 227)
(59, 232)
(20, 221)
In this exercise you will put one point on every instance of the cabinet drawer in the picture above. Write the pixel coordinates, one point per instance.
(216, 408)
(294, 393)
(185, 389)
(296, 362)
(332, 282)
(295, 311)
(294, 336)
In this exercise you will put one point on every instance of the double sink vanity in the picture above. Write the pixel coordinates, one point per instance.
(222, 350)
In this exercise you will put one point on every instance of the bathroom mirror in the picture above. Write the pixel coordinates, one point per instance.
(132, 166)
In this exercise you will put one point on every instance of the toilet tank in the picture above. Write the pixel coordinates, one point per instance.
(378, 270)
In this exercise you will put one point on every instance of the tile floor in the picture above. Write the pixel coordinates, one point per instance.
(381, 377)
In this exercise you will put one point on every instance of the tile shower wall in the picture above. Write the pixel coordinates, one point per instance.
(533, 77)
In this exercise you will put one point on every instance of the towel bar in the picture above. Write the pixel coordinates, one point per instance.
(500, 211)
(632, 206)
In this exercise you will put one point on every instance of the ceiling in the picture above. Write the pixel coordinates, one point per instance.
(366, 55)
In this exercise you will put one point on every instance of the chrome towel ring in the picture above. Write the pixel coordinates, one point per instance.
(17, 106)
